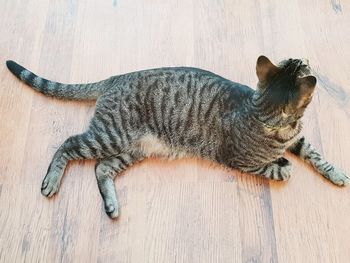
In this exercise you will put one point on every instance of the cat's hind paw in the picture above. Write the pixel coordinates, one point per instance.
(112, 209)
(50, 185)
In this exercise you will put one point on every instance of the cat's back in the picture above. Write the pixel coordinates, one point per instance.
(186, 82)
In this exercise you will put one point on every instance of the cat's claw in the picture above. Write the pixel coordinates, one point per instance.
(338, 177)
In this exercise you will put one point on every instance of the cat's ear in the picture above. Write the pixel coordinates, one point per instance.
(306, 88)
(265, 69)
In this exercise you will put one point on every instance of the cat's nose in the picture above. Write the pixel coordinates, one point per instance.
(305, 61)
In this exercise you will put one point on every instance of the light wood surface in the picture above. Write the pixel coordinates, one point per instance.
(178, 211)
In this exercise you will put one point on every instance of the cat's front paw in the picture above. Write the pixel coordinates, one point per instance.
(285, 172)
(284, 169)
(338, 177)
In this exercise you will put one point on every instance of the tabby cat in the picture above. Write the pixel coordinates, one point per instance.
(181, 111)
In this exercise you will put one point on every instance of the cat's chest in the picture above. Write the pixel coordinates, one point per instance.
(266, 145)
(276, 142)
(288, 135)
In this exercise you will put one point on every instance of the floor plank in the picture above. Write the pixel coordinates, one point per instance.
(177, 211)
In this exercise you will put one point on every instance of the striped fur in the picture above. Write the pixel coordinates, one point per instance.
(50, 88)
(306, 151)
(179, 112)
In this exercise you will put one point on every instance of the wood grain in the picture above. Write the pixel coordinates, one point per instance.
(177, 211)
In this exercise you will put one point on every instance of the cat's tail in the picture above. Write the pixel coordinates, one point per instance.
(90, 91)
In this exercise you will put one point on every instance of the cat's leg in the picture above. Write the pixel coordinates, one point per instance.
(277, 170)
(307, 152)
(106, 170)
(82, 146)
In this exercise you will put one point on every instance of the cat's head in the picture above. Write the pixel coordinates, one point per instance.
(285, 89)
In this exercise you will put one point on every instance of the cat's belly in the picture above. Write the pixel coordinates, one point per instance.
(149, 145)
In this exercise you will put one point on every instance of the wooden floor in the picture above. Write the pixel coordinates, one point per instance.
(179, 211)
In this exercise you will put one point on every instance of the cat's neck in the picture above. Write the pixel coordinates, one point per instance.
(259, 110)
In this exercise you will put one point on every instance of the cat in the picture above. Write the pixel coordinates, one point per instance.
(182, 111)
